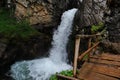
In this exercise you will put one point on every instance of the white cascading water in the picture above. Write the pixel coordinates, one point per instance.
(42, 69)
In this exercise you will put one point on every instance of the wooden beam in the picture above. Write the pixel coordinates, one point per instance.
(83, 54)
(77, 44)
(88, 36)
(66, 77)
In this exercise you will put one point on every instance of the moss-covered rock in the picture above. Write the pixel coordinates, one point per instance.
(10, 28)
(19, 41)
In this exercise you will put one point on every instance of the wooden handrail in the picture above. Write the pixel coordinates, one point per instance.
(88, 36)
(83, 54)
(66, 77)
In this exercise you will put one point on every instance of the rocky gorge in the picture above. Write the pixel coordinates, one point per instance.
(44, 16)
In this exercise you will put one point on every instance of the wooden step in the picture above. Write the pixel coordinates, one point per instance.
(107, 56)
(91, 71)
(95, 76)
(106, 62)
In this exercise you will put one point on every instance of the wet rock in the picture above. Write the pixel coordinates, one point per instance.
(5, 77)
(17, 50)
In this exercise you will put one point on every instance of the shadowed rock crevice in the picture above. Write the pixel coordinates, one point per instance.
(17, 50)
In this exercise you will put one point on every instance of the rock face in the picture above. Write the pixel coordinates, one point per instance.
(113, 21)
(90, 12)
(16, 50)
(35, 12)
(43, 12)
(111, 47)
(113, 27)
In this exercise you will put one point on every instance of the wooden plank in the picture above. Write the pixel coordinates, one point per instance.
(107, 56)
(66, 77)
(95, 76)
(77, 43)
(107, 62)
(90, 49)
(106, 70)
(88, 72)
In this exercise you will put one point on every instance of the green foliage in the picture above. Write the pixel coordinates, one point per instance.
(96, 28)
(85, 57)
(66, 73)
(53, 77)
(10, 28)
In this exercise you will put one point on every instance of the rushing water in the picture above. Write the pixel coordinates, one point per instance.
(42, 69)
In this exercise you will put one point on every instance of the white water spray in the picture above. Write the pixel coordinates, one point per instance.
(42, 69)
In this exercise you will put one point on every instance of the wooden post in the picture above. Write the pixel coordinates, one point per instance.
(89, 45)
(77, 43)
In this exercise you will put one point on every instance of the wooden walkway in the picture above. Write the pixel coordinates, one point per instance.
(101, 67)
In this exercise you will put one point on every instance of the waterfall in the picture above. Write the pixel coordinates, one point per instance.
(42, 69)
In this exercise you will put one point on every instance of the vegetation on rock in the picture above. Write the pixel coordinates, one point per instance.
(97, 28)
(66, 73)
(11, 28)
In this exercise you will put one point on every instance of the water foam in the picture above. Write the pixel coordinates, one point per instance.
(42, 69)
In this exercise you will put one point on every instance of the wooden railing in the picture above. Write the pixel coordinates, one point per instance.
(77, 57)
(77, 44)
